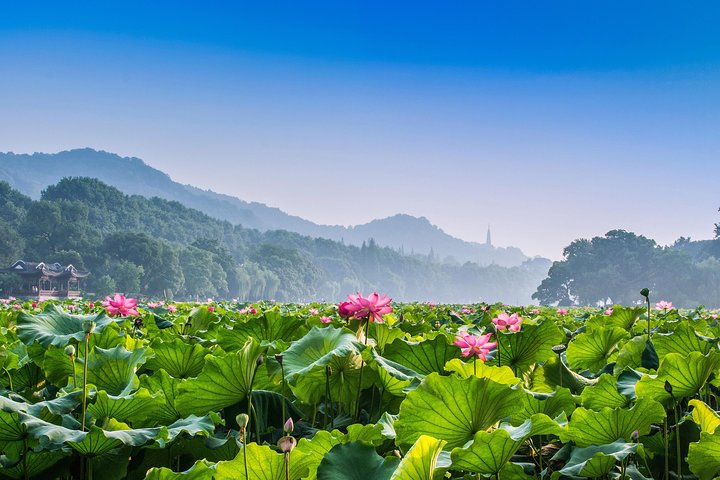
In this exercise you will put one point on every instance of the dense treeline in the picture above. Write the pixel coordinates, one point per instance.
(161, 248)
(614, 268)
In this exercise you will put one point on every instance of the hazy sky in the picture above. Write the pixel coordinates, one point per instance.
(549, 121)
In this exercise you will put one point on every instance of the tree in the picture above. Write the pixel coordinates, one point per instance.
(613, 267)
(128, 277)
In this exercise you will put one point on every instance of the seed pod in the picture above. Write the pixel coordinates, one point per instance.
(279, 358)
(645, 292)
(242, 420)
(88, 326)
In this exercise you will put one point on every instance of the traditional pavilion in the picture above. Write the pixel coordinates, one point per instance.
(46, 281)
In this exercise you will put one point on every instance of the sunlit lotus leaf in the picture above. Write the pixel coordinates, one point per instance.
(224, 381)
(491, 451)
(482, 370)
(423, 357)
(270, 327)
(454, 409)
(588, 427)
(263, 463)
(686, 374)
(603, 394)
(179, 358)
(595, 348)
(533, 344)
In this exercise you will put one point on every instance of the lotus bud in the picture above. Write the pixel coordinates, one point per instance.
(286, 444)
(635, 435)
(645, 292)
(437, 325)
(328, 370)
(289, 426)
(70, 350)
(668, 387)
(242, 420)
(260, 360)
(279, 358)
(88, 327)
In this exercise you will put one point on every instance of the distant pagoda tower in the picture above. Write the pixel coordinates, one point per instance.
(488, 239)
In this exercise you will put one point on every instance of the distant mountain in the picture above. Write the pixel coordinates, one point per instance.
(31, 174)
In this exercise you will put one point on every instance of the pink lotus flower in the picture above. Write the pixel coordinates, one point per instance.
(5, 301)
(714, 316)
(253, 311)
(609, 311)
(34, 304)
(562, 311)
(120, 306)
(432, 304)
(313, 311)
(153, 304)
(467, 311)
(484, 308)
(71, 308)
(535, 311)
(345, 309)
(210, 308)
(17, 306)
(325, 320)
(507, 322)
(664, 306)
(478, 345)
(172, 308)
(373, 307)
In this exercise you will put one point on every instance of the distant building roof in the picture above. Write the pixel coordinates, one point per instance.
(42, 269)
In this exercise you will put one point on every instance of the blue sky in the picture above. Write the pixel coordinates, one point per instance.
(550, 121)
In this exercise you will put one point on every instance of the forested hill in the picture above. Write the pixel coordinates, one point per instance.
(155, 247)
(30, 174)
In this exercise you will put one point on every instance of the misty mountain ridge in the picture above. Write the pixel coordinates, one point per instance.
(32, 173)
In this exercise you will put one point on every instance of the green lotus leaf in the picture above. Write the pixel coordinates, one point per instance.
(269, 328)
(53, 326)
(420, 461)
(263, 463)
(483, 370)
(622, 317)
(559, 402)
(192, 426)
(595, 348)
(178, 357)
(384, 333)
(317, 349)
(423, 357)
(707, 419)
(683, 339)
(97, 441)
(597, 461)
(355, 461)
(371, 434)
(533, 344)
(630, 354)
(56, 406)
(555, 373)
(604, 394)
(11, 428)
(138, 408)
(454, 409)
(704, 456)
(165, 388)
(49, 434)
(686, 374)
(200, 321)
(113, 370)
(588, 427)
(37, 462)
(224, 381)
(394, 377)
(306, 360)
(491, 451)
(201, 470)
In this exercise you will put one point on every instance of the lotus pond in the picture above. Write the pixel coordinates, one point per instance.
(275, 392)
